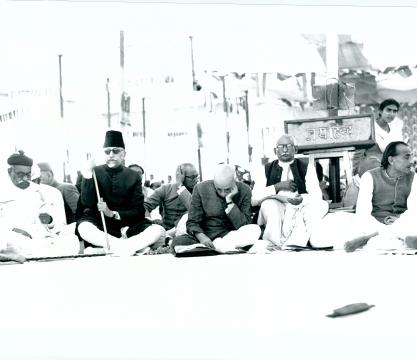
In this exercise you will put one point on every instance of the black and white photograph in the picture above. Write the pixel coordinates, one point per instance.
(190, 180)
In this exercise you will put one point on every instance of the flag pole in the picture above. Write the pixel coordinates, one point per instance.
(226, 110)
(199, 131)
(108, 103)
(247, 125)
(61, 108)
(144, 134)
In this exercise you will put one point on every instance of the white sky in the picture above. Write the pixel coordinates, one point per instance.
(32, 34)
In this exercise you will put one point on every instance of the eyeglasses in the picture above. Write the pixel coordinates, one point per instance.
(192, 177)
(115, 151)
(21, 174)
(285, 146)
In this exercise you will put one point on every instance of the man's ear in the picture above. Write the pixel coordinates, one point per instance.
(9, 170)
(275, 151)
(390, 160)
(296, 149)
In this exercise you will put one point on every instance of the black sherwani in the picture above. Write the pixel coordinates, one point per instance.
(121, 189)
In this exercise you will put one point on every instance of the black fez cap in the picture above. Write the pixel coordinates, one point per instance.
(114, 139)
(388, 102)
(19, 158)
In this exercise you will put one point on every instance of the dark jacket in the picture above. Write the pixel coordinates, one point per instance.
(273, 173)
(121, 189)
(207, 211)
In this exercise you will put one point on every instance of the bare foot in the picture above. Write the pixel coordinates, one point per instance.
(358, 242)
(11, 254)
(411, 242)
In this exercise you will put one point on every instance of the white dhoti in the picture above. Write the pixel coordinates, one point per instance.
(244, 236)
(42, 244)
(336, 229)
(154, 234)
(287, 224)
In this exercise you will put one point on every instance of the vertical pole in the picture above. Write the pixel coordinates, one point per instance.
(247, 125)
(226, 110)
(144, 134)
(143, 121)
(108, 104)
(332, 69)
(122, 75)
(199, 146)
(200, 170)
(61, 107)
(61, 99)
(195, 89)
(192, 63)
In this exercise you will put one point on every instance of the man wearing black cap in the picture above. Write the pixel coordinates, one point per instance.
(29, 216)
(121, 203)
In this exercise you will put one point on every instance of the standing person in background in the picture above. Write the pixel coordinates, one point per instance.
(385, 132)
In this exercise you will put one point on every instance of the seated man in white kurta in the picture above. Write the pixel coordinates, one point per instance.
(385, 212)
(291, 202)
(33, 216)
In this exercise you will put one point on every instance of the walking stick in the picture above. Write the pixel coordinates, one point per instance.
(101, 212)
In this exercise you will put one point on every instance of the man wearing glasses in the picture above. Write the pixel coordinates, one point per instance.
(291, 202)
(121, 201)
(32, 218)
(174, 199)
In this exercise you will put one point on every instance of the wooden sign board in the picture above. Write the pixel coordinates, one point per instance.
(332, 132)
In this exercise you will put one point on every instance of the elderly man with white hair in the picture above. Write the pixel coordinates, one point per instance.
(291, 200)
(220, 213)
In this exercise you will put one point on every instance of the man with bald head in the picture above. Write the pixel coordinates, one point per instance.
(291, 202)
(220, 213)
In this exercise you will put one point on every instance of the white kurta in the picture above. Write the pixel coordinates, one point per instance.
(287, 224)
(336, 229)
(383, 138)
(20, 209)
